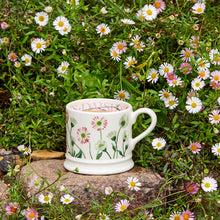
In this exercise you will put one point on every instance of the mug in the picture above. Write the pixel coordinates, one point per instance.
(99, 135)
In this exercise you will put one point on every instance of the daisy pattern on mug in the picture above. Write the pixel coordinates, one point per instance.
(99, 123)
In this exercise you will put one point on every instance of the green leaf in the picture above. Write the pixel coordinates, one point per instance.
(98, 156)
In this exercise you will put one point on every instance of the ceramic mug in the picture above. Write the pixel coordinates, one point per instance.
(99, 135)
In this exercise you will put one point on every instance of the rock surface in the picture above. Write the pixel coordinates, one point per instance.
(46, 154)
(78, 183)
(3, 191)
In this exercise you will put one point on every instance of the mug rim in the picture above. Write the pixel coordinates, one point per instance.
(96, 99)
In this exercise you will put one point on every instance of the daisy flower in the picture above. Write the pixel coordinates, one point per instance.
(192, 188)
(140, 46)
(133, 183)
(170, 77)
(214, 84)
(41, 18)
(171, 102)
(151, 41)
(158, 143)
(24, 150)
(149, 12)
(48, 9)
(198, 8)
(214, 118)
(103, 10)
(12, 56)
(121, 95)
(185, 68)
(186, 54)
(17, 64)
(129, 62)
(195, 147)
(45, 199)
(27, 59)
(159, 5)
(197, 84)
(165, 68)
(203, 73)
(31, 214)
(60, 22)
(38, 45)
(120, 46)
(4, 25)
(102, 29)
(66, 29)
(215, 76)
(176, 216)
(153, 76)
(122, 205)
(194, 41)
(216, 149)
(193, 105)
(140, 15)
(164, 94)
(214, 56)
(83, 135)
(175, 82)
(71, 2)
(136, 76)
(203, 64)
(192, 93)
(209, 184)
(63, 68)
(115, 55)
(218, 100)
(66, 199)
(13, 208)
(108, 190)
(148, 215)
(188, 215)
(99, 123)
(127, 21)
(135, 40)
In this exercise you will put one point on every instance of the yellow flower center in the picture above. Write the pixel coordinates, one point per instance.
(153, 75)
(26, 149)
(38, 45)
(216, 78)
(120, 46)
(123, 207)
(185, 216)
(207, 185)
(174, 82)
(102, 30)
(67, 200)
(149, 12)
(12, 56)
(139, 46)
(46, 198)
(157, 5)
(218, 150)
(6, 40)
(26, 60)
(63, 68)
(193, 147)
(65, 29)
(60, 23)
(199, 10)
(14, 209)
(197, 84)
(166, 95)
(141, 16)
(171, 103)
(190, 188)
(202, 64)
(135, 42)
(202, 74)
(41, 18)
(31, 215)
(193, 105)
(166, 69)
(130, 63)
(71, 2)
(158, 144)
(177, 217)
(137, 75)
(132, 184)
(216, 117)
(114, 54)
(121, 95)
(217, 59)
(187, 54)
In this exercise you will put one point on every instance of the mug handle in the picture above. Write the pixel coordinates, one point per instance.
(134, 116)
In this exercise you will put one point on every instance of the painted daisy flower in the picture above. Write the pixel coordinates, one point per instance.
(214, 56)
(121, 95)
(127, 21)
(12, 56)
(66, 29)
(45, 199)
(164, 94)
(197, 84)
(195, 147)
(24, 150)
(136, 76)
(83, 135)
(192, 188)
(38, 45)
(193, 105)
(120, 46)
(66, 199)
(165, 68)
(186, 54)
(99, 123)
(122, 205)
(192, 93)
(41, 18)
(209, 184)
(214, 118)
(159, 5)
(203, 73)
(198, 8)
(149, 12)
(175, 82)
(27, 59)
(108, 190)
(102, 29)
(203, 64)
(48, 9)
(133, 183)
(171, 102)
(60, 22)
(135, 40)
(148, 215)
(153, 76)
(140, 15)
(114, 54)
(215, 76)
(63, 68)
(216, 149)
(31, 214)
(129, 62)
(176, 216)
(13, 208)
(140, 46)
(188, 215)
(158, 143)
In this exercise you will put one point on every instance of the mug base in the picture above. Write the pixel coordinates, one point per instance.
(98, 167)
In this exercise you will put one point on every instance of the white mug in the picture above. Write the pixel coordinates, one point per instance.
(99, 135)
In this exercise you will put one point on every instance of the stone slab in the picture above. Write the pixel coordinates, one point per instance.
(46, 155)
